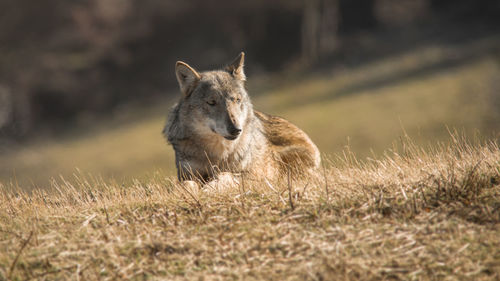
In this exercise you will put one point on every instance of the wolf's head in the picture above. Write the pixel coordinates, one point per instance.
(215, 102)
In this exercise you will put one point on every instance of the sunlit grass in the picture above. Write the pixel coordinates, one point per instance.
(367, 107)
(423, 107)
(426, 209)
(124, 152)
(411, 215)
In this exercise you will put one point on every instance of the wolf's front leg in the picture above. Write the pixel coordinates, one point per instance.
(224, 181)
(191, 185)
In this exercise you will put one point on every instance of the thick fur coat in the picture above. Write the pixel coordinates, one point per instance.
(214, 128)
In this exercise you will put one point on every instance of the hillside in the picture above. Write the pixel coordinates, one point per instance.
(412, 215)
(402, 98)
(424, 92)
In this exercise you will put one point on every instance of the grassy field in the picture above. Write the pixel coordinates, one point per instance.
(99, 202)
(367, 107)
(409, 216)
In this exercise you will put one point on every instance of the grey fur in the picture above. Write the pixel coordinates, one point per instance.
(214, 128)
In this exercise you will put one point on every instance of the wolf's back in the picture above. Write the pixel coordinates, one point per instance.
(292, 146)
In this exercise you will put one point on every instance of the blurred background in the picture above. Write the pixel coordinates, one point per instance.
(85, 86)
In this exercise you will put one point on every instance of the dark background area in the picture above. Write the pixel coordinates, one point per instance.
(61, 60)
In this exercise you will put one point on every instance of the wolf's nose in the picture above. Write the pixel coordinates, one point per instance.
(235, 131)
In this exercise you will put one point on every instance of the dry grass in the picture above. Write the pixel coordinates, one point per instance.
(364, 107)
(122, 149)
(411, 215)
(336, 110)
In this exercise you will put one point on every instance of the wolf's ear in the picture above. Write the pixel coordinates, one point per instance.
(236, 67)
(186, 76)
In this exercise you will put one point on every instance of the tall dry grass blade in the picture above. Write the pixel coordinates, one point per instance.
(16, 259)
(289, 181)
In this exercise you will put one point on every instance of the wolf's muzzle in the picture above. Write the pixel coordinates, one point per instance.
(234, 133)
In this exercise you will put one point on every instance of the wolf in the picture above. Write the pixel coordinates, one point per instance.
(214, 129)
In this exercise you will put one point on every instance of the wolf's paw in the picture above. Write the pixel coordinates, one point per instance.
(190, 185)
(224, 181)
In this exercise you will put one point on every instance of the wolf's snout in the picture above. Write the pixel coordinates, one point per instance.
(232, 127)
(235, 131)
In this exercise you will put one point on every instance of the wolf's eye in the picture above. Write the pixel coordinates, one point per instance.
(238, 100)
(211, 102)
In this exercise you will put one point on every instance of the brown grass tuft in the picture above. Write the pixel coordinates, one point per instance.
(413, 215)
